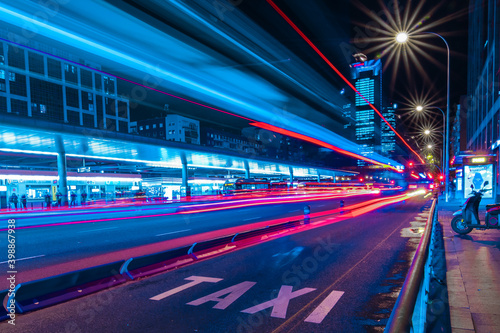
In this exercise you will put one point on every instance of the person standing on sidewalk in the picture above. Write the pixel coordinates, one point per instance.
(14, 200)
(48, 200)
(23, 202)
(73, 199)
(59, 198)
(84, 198)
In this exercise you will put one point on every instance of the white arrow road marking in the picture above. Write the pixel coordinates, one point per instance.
(195, 280)
(280, 303)
(325, 307)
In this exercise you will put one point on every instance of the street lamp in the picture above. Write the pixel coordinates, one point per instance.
(402, 37)
(445, 139)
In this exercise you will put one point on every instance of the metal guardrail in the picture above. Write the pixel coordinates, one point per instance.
(401, 316)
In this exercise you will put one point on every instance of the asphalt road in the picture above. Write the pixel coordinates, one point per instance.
(113, 234)
(341, 277)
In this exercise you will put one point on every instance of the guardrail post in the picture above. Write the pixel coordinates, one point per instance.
(307, 211)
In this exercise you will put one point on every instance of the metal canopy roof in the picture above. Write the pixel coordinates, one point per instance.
(138, 151)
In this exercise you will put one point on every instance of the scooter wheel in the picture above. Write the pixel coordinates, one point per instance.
(460, 226)
(492, 221)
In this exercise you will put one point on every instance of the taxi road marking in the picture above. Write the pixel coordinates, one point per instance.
(279, 304)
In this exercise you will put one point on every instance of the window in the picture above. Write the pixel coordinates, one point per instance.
(17, 84)
(110, 106)
(122, 109)
(71, 73)
(72, 97)
(87, 101)
(48, 98)
(141, 128)
(19, 107)
(86, 78)
(109, 85)
(15, 57)
(154, 125)
(35, 63)
(54, 68)
(161, 125)
(147, 126)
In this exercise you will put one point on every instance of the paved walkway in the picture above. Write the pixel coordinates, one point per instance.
(473, 274)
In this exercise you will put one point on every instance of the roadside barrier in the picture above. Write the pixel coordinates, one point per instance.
(155, 263)
(45, 292)
(209, 245)
(409, 312)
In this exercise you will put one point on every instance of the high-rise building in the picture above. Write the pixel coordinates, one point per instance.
(483, 79)
(38, 85)
(367, 78)
(387, 136)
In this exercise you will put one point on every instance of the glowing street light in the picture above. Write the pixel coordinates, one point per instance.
(402, 37)
(427, 132)
(429, 146)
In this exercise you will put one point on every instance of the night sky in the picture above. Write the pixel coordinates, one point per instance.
(339, 28)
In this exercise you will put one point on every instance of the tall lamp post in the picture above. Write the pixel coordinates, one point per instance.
(420, 108)
(402, 37)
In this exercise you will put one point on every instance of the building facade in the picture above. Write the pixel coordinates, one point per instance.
(212, 137)
(39, 85)
(172, 128)
(387, 136)
(367, 78)
(483, 75)
(483, 79)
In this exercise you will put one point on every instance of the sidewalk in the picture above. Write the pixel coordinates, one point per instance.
(473, 273)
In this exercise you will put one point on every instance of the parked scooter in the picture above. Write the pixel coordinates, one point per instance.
(467, 219)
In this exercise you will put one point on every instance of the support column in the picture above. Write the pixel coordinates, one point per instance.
(291, 176)
(185, 191)
(319, 178)
(61, 170)
(334, 180)
(247, 170)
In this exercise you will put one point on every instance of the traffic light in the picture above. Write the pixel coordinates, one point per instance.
(441, 177)
(360, 179)
(410, 164)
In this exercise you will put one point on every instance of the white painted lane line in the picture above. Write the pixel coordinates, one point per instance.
(98, 229)
(42, 255)
(253, 218)
(324, 308)
(173, 232)
(321, 205)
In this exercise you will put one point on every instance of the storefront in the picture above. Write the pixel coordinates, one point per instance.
(37, 184)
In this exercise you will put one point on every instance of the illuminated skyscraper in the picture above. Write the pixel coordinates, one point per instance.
(367, 78)
(387, 136)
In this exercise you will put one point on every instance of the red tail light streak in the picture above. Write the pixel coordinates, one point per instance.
(315, 48)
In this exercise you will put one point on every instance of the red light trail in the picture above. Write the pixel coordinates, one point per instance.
(338, 72)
